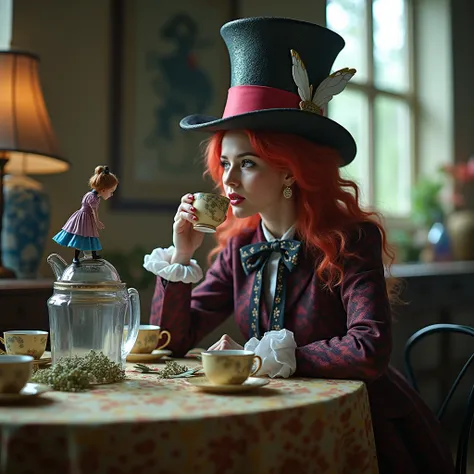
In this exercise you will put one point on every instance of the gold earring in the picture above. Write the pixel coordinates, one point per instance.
(287, 192)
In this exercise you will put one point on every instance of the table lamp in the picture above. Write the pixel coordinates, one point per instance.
(27, 146)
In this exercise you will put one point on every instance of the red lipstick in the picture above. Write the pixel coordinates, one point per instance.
(235, 199)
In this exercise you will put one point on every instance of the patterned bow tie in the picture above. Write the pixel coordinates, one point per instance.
(254, 258)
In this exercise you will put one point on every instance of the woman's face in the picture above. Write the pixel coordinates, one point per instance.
(107, 193)
(250, 183)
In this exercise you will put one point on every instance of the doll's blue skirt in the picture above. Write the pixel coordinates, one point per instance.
(78, 242)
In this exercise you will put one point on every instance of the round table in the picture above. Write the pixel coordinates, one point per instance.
(150, 425)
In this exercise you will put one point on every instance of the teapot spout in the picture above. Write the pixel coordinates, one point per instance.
(57, 264)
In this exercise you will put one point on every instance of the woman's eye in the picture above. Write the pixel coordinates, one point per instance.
(247, 163)
(224, 164)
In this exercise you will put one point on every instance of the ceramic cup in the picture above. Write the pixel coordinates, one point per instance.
(148, 338)
(15, 371)
(232, 367)
(210, 210)
(25, 342)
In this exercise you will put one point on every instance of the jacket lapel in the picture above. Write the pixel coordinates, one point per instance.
(263, 310)
(299, 280)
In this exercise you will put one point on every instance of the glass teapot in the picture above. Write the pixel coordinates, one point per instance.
(88, 310)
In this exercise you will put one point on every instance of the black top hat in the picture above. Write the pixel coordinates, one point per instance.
(280, 82)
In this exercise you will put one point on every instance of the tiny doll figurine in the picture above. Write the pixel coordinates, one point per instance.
(81, 231)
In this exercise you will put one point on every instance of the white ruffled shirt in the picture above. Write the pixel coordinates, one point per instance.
(276, 348)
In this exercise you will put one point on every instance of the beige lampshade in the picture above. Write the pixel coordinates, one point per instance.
(26, 134)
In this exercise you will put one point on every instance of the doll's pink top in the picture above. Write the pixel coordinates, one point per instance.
(82, 222)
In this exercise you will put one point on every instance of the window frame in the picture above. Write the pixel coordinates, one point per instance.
(371, 91)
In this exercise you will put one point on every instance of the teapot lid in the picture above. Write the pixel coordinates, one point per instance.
(89, 274)
(91, 270)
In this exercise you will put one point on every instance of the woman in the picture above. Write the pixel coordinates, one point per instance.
(297, 258)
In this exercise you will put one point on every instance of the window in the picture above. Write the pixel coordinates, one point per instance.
(378, 104)
(6, 7)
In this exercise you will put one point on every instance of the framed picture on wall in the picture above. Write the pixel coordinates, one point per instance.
(168, 61)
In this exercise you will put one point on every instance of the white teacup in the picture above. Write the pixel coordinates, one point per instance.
(15, 371)
(231, 367)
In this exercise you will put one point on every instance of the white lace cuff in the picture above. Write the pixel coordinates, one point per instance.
(277, 351)
(158, 262)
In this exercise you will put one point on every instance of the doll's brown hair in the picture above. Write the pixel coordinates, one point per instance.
(102, 179)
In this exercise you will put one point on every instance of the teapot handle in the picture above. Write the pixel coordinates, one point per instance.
(134, 323)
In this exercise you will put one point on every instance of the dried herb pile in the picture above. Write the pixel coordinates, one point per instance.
(76, 374)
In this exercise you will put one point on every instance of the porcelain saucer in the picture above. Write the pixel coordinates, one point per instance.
(155, 355)
(28, 391)
(203, 384)
(45, 359)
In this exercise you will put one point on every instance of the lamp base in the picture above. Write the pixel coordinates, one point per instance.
(25, 225)
(6, 273)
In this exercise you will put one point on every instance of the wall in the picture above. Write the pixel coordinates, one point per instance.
(462, 13)
(434, 91)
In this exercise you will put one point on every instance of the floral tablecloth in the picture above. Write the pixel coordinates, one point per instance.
(149, 425)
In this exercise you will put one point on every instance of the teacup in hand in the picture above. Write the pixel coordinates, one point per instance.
(15, 371)
(210, 210)
(25, 342)
(148, 338)
(231, 367)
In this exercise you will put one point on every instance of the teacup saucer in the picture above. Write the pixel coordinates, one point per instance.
(203, 384)
(28, 391)
(155, 355)
(43, 360)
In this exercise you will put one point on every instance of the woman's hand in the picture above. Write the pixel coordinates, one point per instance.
(100, 226)
(225, 343)
(185, 239)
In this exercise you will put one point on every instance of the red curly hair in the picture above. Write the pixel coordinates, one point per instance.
(327, 204)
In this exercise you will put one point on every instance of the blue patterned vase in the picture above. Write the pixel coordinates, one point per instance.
(26, 219)
(439, 239)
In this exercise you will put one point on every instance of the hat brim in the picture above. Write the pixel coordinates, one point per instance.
(313, 127)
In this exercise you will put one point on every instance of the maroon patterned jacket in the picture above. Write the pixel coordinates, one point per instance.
(342, 334)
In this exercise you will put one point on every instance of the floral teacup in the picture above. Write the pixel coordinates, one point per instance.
(230, 367)
(25, 342)
(211, 210)
(148, 338)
